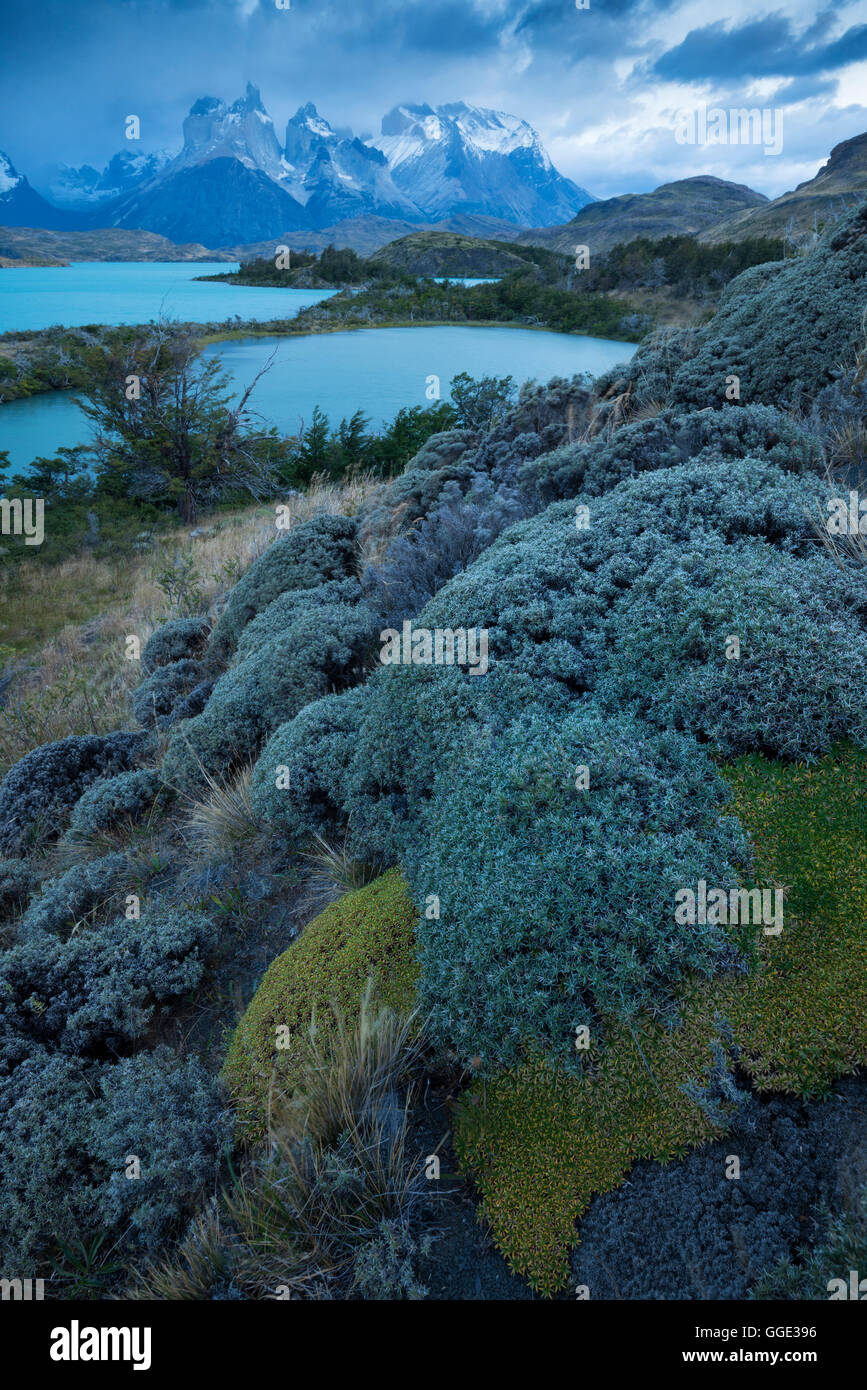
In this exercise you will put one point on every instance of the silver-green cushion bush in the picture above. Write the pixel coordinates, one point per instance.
(93, 886)
(37, 793)
(97, 991)
(548, 594)
(18, 879)
(416, 566)
(668, 439)
(309, 554)
(275, 620)
(313, 752)
(176, 640)
(556, 601)
(790, 692)
(554, 902)
(783, 330)
(67, 1129)
(324, 650)
(154, 701)
(116, 801)
(169, 1113)
(443, 449)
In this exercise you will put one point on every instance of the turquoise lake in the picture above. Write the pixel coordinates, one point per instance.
(375, 370)
(135, 292)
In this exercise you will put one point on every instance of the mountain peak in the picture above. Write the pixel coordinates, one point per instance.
(9, 176)
(461, 158)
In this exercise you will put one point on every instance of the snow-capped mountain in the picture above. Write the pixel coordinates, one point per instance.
(234, 183)
(82, 187)
(242, 131)
(21, 205)
(338, 177)
(460, 158)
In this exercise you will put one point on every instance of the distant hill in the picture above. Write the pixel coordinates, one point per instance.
(447, 253)
(683, 208)
(839, 185)
(368, 233)
(35, 245)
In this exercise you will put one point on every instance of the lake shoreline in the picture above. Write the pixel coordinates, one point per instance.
(268, 330)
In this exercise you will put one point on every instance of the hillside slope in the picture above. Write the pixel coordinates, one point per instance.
(685, 207)
(839, 184)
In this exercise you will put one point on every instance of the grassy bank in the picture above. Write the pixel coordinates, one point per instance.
(64, 627)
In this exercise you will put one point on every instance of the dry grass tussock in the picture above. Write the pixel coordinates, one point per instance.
(338, 1165)
(64, 627)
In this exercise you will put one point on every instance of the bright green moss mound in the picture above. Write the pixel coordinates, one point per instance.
(541, 1145)
(368, 934)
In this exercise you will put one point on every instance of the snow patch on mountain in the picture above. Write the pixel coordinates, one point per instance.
(9, 179)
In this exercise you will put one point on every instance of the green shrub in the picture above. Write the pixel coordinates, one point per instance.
(309, 554)
(541, 1143)
(98, 990)
(783, 329)
(322, 650)
(155, 700)
(562, 900)
(18, 879)
(169, 1113)
(316, 748)
(37, 793)
(116, 801)
(786, 694)
(93, 887)
(179, 639)
(279, 616)
(367, 935)
(668, 439)
(67, 1130)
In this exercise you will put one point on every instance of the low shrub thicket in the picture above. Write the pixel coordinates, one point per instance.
(115, 802)
(316, 749)
(67, 1132)
(309, 554)
(154, 702)
(180, 639)
(36, 795)
(95, 887)
(322, 650)
(541, 1143)
(666, 440)
(782, 329)
(98, 990)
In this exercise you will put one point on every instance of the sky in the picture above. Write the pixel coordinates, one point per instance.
(604, 85)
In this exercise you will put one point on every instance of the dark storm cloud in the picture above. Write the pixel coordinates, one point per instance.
(762, 48)
(71, 71)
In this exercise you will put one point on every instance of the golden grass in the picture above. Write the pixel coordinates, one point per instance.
(64, 627)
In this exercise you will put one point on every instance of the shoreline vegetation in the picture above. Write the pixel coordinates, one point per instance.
(675, 282)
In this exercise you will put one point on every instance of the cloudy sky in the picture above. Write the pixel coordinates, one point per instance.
(602, 85)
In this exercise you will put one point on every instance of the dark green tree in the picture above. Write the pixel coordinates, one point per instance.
(166, 427)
